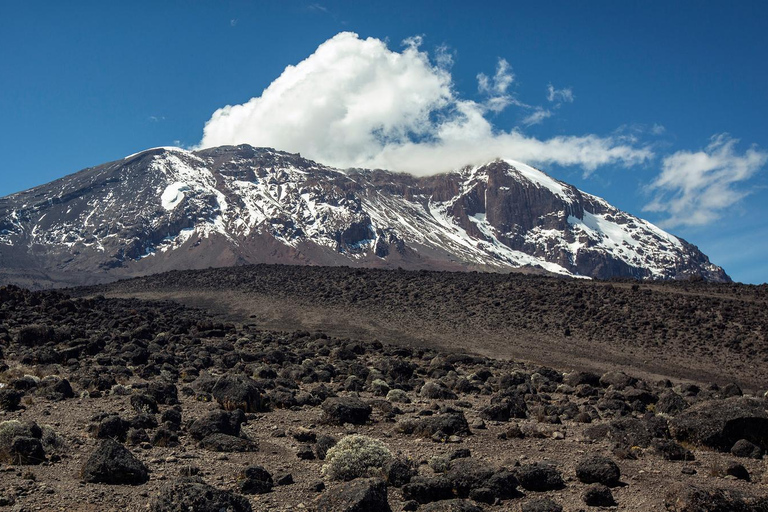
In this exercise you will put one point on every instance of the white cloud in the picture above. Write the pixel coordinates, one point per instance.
(693, 189)
(559, 95)
(496, 87)
(356, 103)
(537, 116)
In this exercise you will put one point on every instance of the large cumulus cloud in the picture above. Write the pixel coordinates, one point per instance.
(356, 103)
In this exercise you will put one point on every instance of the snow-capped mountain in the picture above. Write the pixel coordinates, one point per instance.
(168, 208)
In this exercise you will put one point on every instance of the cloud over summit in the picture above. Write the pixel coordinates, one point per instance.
(356, 103)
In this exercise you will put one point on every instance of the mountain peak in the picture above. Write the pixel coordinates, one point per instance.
(167, 208)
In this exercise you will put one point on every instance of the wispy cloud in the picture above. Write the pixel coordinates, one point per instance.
(695, 188)
(356, 103)
(233, 22)
(559, 95)
(155, 119)
(537, 116)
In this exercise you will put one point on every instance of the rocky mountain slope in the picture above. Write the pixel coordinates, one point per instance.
(167, 208)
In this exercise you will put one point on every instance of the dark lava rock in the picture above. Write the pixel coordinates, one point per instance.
(598, 495)
(25, 451)
(450, 423)
(323, 444)
(437, 391)
(55, 388)
(171, 418)
(502, 409)
(670, 450)
(598, 469)
(238, 392)
(340, 410)
(737, 470)
(228, 444)
(163, 392)
(143, 403)
(112, 463)
(305, 452)
(165, 437)
(719, 424)
(541, 505)
(689, 498)
(671, 403)
(217, 422)
(362, 495)
(113, 427)
(283, 479)
(451, 506)
(631, 431)
(399, 472)
(467, 475)
(10, 399)
(539, 477)
(619, 380)
(137, 436)
(143, 420)
(428, 489)
(193, 495)
(255, 480)
(745, 449)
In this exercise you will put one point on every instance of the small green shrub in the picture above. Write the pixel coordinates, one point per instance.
(398, 395)
(355, 456)
(440, 463)
(52, 441)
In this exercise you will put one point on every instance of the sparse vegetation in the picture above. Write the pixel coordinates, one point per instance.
(355, 456)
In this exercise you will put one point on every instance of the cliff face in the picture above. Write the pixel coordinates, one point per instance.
(167, 208)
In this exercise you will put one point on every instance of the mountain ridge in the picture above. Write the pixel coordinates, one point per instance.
(169, 208)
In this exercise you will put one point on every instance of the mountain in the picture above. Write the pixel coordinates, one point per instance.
(167, 208)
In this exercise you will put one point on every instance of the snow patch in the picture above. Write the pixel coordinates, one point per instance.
(173, 195)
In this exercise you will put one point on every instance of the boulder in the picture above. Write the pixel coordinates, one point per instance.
(598, 469)
(217, 422)
(451, 506)
(193, 495)
(238, 392)
(255, 480)
(112, 463)
(598, 495)
(428, 489)
(341, 410)
(163, 392)
(10, 399)
(745, 449)
(670, 450)
(25, 451)
(719, 424)
(362, 495)
(690, 498)
(539, 477)
(450, 423)
(228, 444)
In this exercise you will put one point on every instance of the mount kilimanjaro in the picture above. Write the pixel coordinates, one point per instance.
(168, 208)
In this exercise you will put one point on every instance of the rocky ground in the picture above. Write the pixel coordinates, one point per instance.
(128, 404)
(693, 330)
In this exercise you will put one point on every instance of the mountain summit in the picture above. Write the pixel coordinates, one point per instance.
(167, 208)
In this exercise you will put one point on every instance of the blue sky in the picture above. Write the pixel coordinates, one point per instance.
(659, 107)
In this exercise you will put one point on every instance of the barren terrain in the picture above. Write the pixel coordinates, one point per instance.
(688, 330)
(231, 401)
